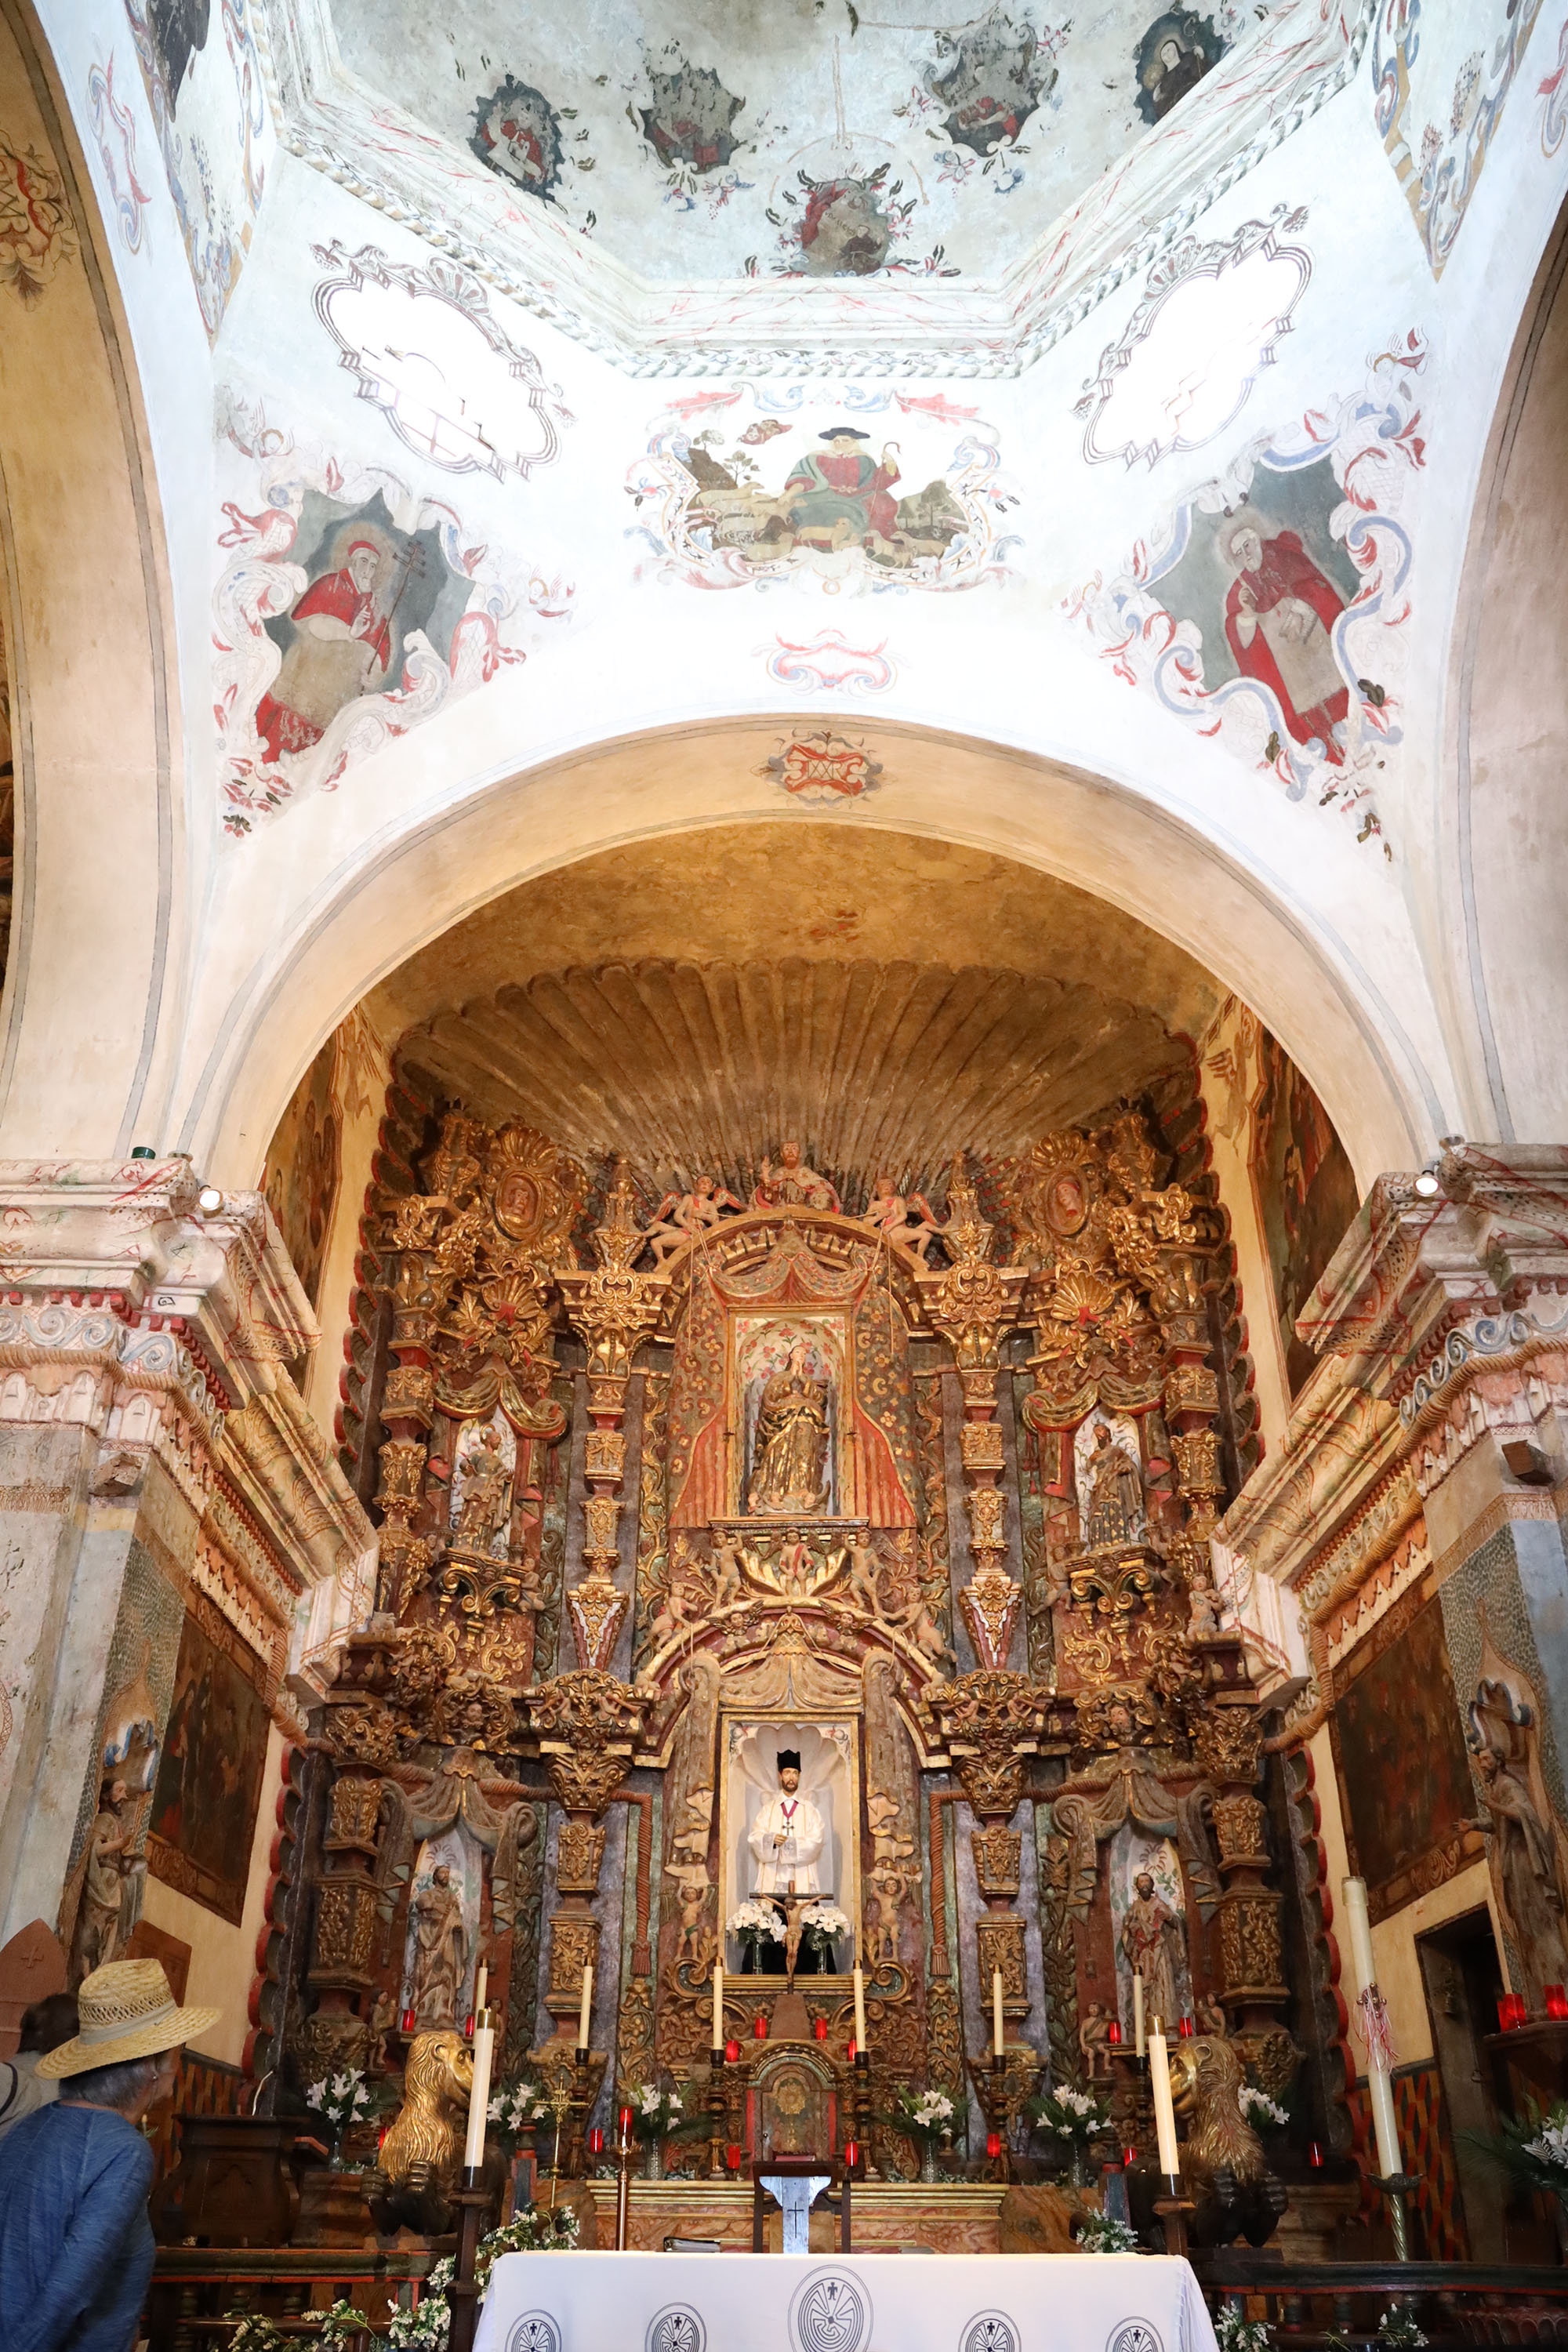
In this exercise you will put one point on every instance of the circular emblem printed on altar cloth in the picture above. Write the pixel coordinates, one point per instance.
(831, 2313)
(1134, 2336)
(534, 2332)
(676, 2329)
(989, 2333)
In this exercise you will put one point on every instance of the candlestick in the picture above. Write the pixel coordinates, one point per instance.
(623, 2178)
(1374, 2024)
(859, 2009)
(718, 2005)
(717, 2108)
(587, 2005)
(479, 2094)
(997, 2040)
(1164, 2108)
(1138, 2012)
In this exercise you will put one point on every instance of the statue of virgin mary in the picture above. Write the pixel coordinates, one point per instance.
(789, 1456)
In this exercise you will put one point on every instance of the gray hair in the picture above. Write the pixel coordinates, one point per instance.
(119, 2087)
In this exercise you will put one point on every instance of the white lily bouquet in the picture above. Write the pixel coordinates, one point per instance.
(1070, 2115)
(756, 1922)
(923, 2115)
(822, 1923)
(655, 2113)
(1259, 2110)
(339, 2099)
(515, 2110)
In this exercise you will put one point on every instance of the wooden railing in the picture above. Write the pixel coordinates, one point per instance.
(195, 2287)
(1454, 2304)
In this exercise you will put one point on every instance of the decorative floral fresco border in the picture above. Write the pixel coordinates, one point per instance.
(215, 197)
(114, 126)
(261, 580)
(1372, 444)
(1441, 174)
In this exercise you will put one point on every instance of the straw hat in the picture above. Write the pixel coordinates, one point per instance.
(126, 2011)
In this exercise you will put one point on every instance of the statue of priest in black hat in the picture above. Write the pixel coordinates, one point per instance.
(787, 1835)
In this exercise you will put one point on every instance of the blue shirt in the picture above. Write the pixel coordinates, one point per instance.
(75, 2248)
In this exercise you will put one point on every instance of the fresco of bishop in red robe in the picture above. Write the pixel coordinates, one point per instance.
(341, 649)
(1278, 619)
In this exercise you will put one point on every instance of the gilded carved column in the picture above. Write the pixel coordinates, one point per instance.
(612, 1309)
(970, 1303)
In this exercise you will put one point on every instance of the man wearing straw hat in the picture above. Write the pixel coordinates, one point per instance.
(75, 2250)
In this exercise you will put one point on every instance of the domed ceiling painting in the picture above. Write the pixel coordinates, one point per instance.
(787, 138)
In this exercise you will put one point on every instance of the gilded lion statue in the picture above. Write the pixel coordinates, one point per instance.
(418, 2159)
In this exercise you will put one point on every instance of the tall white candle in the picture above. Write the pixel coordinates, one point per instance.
(479, 2096)
(1379, 2089)
(587, 2007)
(859, 2009)
(1138, 2013)
(718, 2042)
(1165, 2107)
(479, 1988)
(997, 2043)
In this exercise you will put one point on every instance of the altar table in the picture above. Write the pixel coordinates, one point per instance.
(844, 2303)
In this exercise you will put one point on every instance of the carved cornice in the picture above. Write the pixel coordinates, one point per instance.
(1426, 1300)
(1118, 226)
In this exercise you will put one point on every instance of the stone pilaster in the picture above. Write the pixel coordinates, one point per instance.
(154, 1448)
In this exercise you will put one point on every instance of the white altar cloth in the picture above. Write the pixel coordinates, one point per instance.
(735, 2301)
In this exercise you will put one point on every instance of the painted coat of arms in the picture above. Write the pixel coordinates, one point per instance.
(905, 506)
(823, 768)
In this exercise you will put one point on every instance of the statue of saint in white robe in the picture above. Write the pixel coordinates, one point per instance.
(789, 1868)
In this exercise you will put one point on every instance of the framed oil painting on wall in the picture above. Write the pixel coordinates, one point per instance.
(209, 1787)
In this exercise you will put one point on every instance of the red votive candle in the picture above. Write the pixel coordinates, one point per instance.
(1314, 2156)
(851, 2046)
(732, 2155)
(1128, 2159)
(993, 2145)
(469, 2027)
(851, 2154)
(819, 2028)
(1510, 2012)
(409, 2020)
(732, 2052)
(596, 2140)
(759, 2028)
(1113, 2032)
(625, 2123)
(1184, 2030)
(1556, 2001)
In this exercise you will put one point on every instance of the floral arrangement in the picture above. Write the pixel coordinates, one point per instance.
(1258, 2108)
(1397, 2328)
(339, 2099)
(532, 2230)
(659, 2116)
(754, 1919)
(514, 2110)
(1070, 2115)
(1535, 2150)
(822, 1923)
(1236, 2333)
(338, 2328)
(922, 2116)
(1103, 2234)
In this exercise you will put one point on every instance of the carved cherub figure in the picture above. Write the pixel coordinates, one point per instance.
(681, 1613)
(865, 1580)
(694, 1882)
(1094, 2041)
(1202, 1614)
(729, 1582)
(921, 1628)
(683, 1217)
(905, 1218)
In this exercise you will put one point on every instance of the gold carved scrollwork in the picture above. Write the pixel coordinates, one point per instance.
(992, 1722)
(998, 1861)
(1240, 1826)
(999, 1945)
(360, 1734)
(578, 1857)
(588, 1724)
(574, 1946)
(1228, 1743)
(1252, 1955)
(355, 1812)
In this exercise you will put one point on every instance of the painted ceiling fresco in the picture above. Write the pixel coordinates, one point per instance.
(795, 138)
